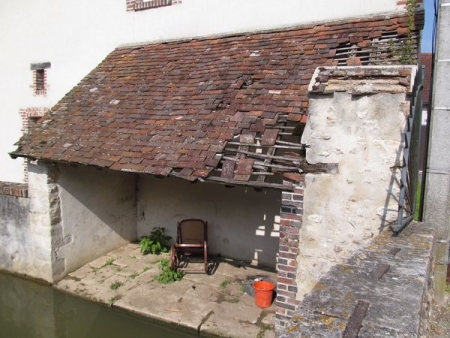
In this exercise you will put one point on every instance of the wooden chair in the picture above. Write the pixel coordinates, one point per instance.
(192, 240)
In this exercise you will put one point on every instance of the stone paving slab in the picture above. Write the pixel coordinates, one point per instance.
(213, 304)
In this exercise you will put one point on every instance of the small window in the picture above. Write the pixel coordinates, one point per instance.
(138, 5)
(39, 85)
(40, 80)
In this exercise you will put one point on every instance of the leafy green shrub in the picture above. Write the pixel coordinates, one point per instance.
(156, 243)
(168, 275)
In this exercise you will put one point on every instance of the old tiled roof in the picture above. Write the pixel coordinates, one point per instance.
(222, 108)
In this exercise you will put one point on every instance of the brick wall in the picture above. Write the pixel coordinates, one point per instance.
(290, 224)
(14, 189)
(30, 116)
(39, 84)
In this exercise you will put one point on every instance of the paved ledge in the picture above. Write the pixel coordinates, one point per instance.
(14, 189)
(212, 305)
(382, 290)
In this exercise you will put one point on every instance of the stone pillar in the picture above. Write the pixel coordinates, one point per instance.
(290, 224)
(437, 188)
(46, 231)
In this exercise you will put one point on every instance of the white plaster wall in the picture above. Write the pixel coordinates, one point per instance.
(35, 249)
(14, 229)
(343, 211)
(242, 223)
(98, 213)
(76, 35)
(209, 17)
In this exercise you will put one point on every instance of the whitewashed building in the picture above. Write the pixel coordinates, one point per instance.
(67, 40)
(202, 91)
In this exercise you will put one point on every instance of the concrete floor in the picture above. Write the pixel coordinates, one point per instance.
(215, 304)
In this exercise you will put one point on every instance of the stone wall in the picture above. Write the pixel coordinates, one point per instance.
(382, 290)
(97, 215)
(356, 120)
(14, 220)
(72, 216)
(24, 229)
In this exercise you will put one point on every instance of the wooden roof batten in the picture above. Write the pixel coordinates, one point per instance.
(251, 158)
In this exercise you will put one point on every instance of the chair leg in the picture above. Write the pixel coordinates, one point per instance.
(205, 253)
(174, 261)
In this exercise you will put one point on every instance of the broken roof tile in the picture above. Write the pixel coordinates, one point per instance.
(227, 169)
(269, 137)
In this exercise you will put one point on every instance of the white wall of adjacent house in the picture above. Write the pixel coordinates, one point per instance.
(76, 35)
(242, 223)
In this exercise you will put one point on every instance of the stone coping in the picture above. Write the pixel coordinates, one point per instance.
(382, 290)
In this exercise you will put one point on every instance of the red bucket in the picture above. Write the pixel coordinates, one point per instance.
(263, 293)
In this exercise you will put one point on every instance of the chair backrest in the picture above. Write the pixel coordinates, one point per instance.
(192, 231)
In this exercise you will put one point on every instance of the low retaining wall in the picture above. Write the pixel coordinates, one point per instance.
(14, 220)
(382, 290)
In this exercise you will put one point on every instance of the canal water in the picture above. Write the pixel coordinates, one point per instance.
(31, 310)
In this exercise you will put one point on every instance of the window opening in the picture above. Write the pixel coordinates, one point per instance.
(39, 85)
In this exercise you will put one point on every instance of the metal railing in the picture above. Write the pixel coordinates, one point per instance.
(409, 180)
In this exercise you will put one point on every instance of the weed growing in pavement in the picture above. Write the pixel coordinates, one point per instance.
(109, 262)
(167, 275)
(115, 285)
(112, 300)
(225, 283)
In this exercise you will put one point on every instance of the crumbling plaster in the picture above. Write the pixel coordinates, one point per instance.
(345, 209)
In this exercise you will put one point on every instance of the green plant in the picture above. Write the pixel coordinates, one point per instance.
(112, 300)
(405, 52)
(115, 285)
(225, 283)
(109, 262)
(167, 275)
(156, 242)
(133, 275)
(418, 201)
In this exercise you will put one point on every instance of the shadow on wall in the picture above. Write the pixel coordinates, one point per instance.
(242, 224)
(98, 210)
(390, 211)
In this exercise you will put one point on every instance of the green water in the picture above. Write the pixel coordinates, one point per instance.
(32, 310)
